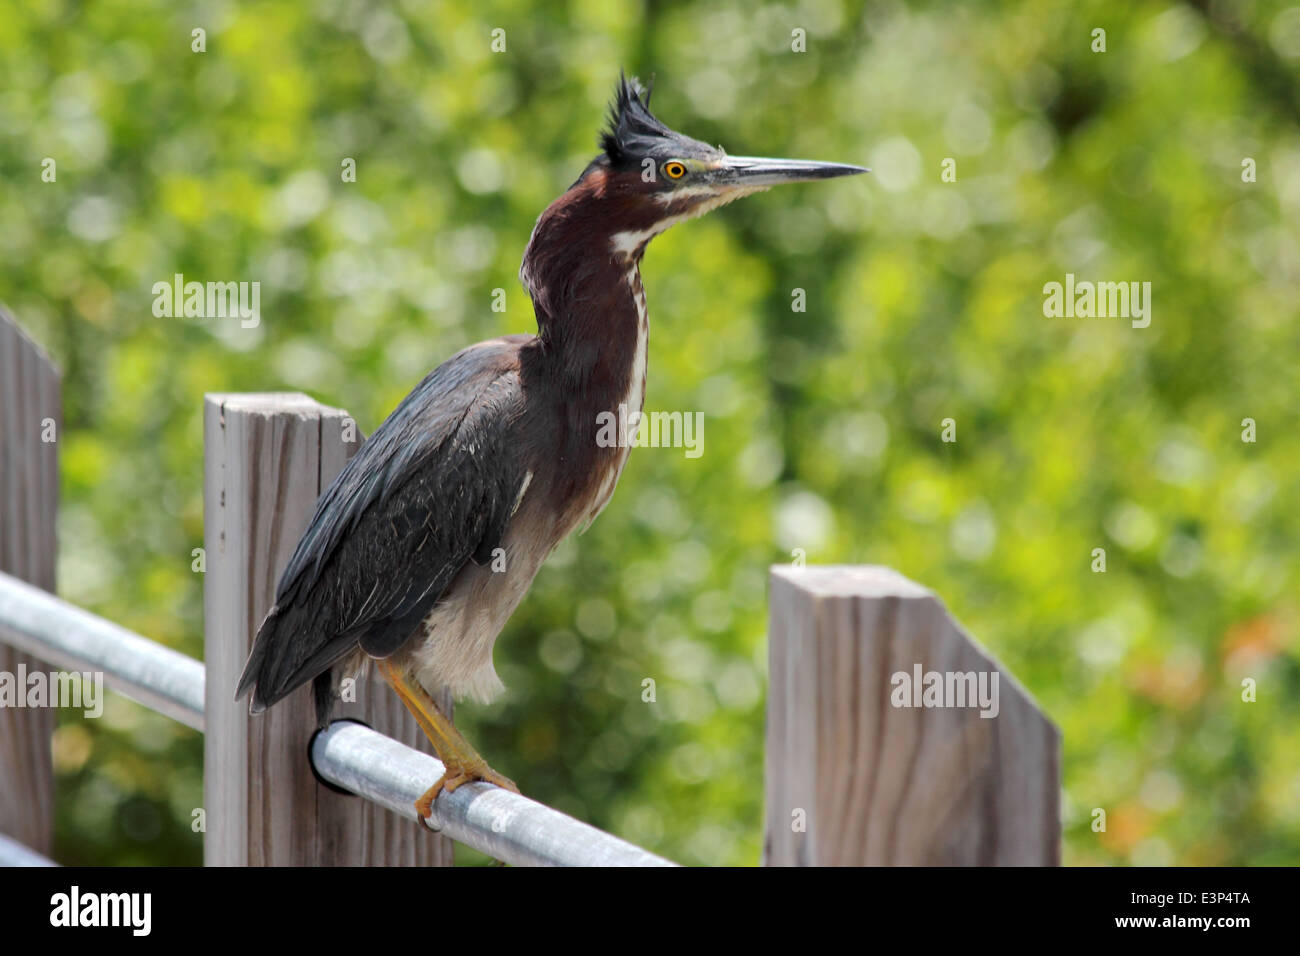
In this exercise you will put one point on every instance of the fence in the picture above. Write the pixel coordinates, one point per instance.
(855, 774)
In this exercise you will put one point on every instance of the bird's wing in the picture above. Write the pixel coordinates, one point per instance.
(430, 490)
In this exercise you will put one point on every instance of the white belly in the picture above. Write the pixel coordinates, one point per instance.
(453, 649)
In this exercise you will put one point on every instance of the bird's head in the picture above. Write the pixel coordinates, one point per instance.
(657, 177)
(646, 179)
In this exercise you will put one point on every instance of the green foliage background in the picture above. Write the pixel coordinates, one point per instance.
(822, 428)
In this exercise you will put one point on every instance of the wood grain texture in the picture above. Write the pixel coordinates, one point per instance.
(267, 459)
(29, 494)
(882, 785)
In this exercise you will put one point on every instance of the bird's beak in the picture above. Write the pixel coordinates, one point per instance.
(756, 172)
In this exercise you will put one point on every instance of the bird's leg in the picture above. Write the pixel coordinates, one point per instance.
(462, 762)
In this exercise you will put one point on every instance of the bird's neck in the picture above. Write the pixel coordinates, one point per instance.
(590, 305)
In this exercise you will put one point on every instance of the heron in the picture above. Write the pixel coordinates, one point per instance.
(426, 542)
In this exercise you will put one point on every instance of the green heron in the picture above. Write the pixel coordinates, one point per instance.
(429, 538)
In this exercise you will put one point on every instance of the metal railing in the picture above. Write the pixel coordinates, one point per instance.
(505, 825)
(500, 823)
(13, 853)
(44, 626)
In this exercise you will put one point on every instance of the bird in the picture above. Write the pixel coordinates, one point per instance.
(425, 543)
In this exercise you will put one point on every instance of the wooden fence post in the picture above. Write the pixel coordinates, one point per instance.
(853, 777)
(267, 458)
(31, 420)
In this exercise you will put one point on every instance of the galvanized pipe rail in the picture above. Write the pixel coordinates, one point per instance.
(13, 853)
(504, 825)
(44, 626)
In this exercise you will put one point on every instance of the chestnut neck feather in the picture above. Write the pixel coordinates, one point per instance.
(585, 359)
(587, 316)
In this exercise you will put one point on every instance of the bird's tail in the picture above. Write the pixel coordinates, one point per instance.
(255, 671)
(277, 665)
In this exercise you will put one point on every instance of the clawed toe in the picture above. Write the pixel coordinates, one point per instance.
(454, 780)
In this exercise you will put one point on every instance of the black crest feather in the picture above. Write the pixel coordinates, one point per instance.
(633, 131)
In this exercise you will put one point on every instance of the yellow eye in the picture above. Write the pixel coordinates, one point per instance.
(674, 169)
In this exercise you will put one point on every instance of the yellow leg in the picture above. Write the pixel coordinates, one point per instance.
(462, 762)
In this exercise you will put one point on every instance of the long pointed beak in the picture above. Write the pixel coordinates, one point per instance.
(755, 171)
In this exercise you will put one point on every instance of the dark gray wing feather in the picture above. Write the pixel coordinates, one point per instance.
(431, 489)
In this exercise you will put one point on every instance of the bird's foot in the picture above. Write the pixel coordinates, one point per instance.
(461, 763)
(454, 777)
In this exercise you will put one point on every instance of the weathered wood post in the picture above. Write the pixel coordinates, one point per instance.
(31, 417)
(857, 773)
(267, 458)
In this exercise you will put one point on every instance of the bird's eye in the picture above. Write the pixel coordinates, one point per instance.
(674, 169)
